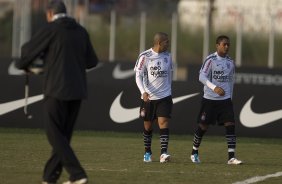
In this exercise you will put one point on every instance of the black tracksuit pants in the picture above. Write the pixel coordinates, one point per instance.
(61, 116)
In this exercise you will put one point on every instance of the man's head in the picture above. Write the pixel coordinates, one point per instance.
(222, 45)
(55, 7)
(161, 42)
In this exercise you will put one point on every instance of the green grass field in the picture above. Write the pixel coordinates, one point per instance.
(117, 158)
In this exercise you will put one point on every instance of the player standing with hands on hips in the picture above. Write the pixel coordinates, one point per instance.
(67, 53)
(153, 78)
(217, 75)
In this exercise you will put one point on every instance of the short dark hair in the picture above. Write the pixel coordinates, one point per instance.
(159, 36)
(57, 6)
(220, 38)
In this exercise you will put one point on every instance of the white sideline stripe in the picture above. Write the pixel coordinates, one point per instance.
(259, 178)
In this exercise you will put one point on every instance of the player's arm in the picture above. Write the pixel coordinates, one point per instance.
(232, 82)
(203, 78)
(34, 48)
(91, 56)
(171, 69)
(139, 75)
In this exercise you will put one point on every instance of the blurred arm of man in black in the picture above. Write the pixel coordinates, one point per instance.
(67, 52)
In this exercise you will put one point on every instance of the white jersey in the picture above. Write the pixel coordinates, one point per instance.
(154, 74)
(217, 71)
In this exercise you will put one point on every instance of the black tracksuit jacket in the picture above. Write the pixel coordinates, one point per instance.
(67, 52)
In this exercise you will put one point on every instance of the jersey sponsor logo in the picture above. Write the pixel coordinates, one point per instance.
(122, 74)
(218, 72)
(157, 71)
(251, 119)
(155, 68)
(16, 104)
(223, 78)
(120, 114)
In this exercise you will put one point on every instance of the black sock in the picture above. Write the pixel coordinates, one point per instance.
(199, 133)
(164, 138)
(147, 136)
(231, 140)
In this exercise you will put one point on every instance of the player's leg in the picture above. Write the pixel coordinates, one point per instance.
(198, 135)
(230, 138)
(163, 112)
(227, 118)
(164, 133)
(231, 143)
(164, 138)
(146, 116)
(147, 137)
(205, 117)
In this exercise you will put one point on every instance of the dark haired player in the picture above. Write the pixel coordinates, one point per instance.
(217, 75)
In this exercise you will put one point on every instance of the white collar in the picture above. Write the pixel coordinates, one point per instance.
(221, 56)
(59, 15)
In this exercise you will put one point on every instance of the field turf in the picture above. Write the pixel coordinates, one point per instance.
(117, 158)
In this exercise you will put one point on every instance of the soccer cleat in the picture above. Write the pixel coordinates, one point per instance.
(195, 158)
(147, 157)
(234, 161)
(80, 181)
(164, 158)
(45, 182)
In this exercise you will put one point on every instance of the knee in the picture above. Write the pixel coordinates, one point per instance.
(163, 123)
(148, 126)
(204, 127)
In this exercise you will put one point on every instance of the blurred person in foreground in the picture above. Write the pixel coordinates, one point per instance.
(153, 78)
(67, 52)
(217, 74)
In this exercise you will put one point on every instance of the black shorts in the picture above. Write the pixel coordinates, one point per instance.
(156, 108)
(216, 112)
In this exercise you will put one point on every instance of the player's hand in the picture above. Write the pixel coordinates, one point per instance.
(219, 91)
(146, 97)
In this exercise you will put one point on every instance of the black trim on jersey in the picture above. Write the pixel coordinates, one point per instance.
(228, 57)
(147, 53)
(207, 59)
(166, 53)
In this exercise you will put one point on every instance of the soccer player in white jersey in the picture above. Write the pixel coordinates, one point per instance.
(217, 75)
(153, 78)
